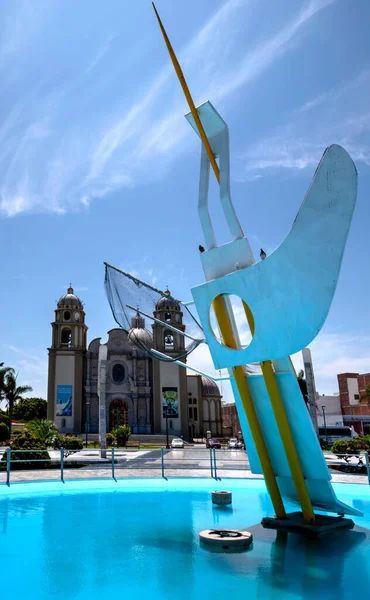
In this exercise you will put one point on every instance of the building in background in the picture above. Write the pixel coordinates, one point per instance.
(330, 407)
(230, 420)
(355, 402)
(136, 390)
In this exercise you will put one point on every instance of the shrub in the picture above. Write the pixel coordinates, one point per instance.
(110, 439)
(43, 429)
(353, 446)
(324, 444)
(70, 443)
(27, 441)
(122, 434)
(4, 432)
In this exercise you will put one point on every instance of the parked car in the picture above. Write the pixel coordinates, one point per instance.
(235, 444)
(177, 443)
(213, 443)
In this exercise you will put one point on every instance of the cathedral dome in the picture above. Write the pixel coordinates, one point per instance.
(209, 387)
(138, 334)
(69, 300)
(167, 303)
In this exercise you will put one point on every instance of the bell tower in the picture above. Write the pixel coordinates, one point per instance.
(170, 394)
(67, 364)
(166, 340)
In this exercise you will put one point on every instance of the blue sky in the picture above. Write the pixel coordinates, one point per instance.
(97, 162)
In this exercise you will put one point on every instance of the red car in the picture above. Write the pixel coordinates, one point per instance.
(213, 443)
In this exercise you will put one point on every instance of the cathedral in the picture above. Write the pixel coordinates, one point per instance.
(100, 386)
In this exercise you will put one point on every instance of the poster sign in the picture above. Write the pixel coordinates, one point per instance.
(170, 402)
(64, 401)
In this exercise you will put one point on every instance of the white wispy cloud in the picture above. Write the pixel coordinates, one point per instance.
(102, 51)
(300, 143)
(260, 58)
(52, 164)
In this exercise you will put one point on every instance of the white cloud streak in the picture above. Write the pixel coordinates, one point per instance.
(94, 158)
(102, 51)
(299, 144)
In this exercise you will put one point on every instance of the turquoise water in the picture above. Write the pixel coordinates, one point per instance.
(87, 540)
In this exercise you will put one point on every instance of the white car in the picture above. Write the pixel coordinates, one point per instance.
(234, 443)
(177, 443)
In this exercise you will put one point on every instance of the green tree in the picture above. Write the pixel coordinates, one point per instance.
(302, 385)
(122, 434)
(30, 408)
(4, 418)
(13, 393)
(4, 432)
(366, 395)
(43, 429)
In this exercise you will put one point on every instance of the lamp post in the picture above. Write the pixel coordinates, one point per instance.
(167, 409)
(324, 416)
(87, 421)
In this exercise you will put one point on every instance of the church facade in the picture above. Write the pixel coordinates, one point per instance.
(118, 382)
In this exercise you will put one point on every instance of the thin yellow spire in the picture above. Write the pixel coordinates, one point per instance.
(188, 97)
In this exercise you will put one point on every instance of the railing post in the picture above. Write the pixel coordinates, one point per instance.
(162, 461)
(211, 461)
(62, 464)
(8, 459)
(113, 463)
(367, 466)
(214, 462)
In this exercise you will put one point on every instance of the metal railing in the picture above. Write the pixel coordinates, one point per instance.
(161, 462)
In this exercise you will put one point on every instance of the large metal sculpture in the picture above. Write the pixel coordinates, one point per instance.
(286, 299)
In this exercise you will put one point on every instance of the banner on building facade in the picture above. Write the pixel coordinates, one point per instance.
(170, 402)
(64, 401)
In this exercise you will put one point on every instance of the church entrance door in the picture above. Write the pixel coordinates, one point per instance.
(118, 414)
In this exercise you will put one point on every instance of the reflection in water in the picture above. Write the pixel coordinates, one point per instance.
(219, 513)
(313, 568)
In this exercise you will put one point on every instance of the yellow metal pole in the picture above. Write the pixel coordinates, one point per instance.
(285, 431)
(222, 315)
(288, 442)
(250, 411)
(189, 99)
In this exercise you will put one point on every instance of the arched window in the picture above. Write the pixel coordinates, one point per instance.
(168, 340)
(167, 317)
(67, 338)
(118, 373)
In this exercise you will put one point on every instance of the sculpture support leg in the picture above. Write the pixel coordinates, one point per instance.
(285, 432)
(241, 382)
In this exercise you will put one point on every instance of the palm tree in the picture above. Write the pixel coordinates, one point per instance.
(3, 373)
(13, 393)
(43, 429)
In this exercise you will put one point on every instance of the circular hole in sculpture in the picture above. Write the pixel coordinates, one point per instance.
(228, 309)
